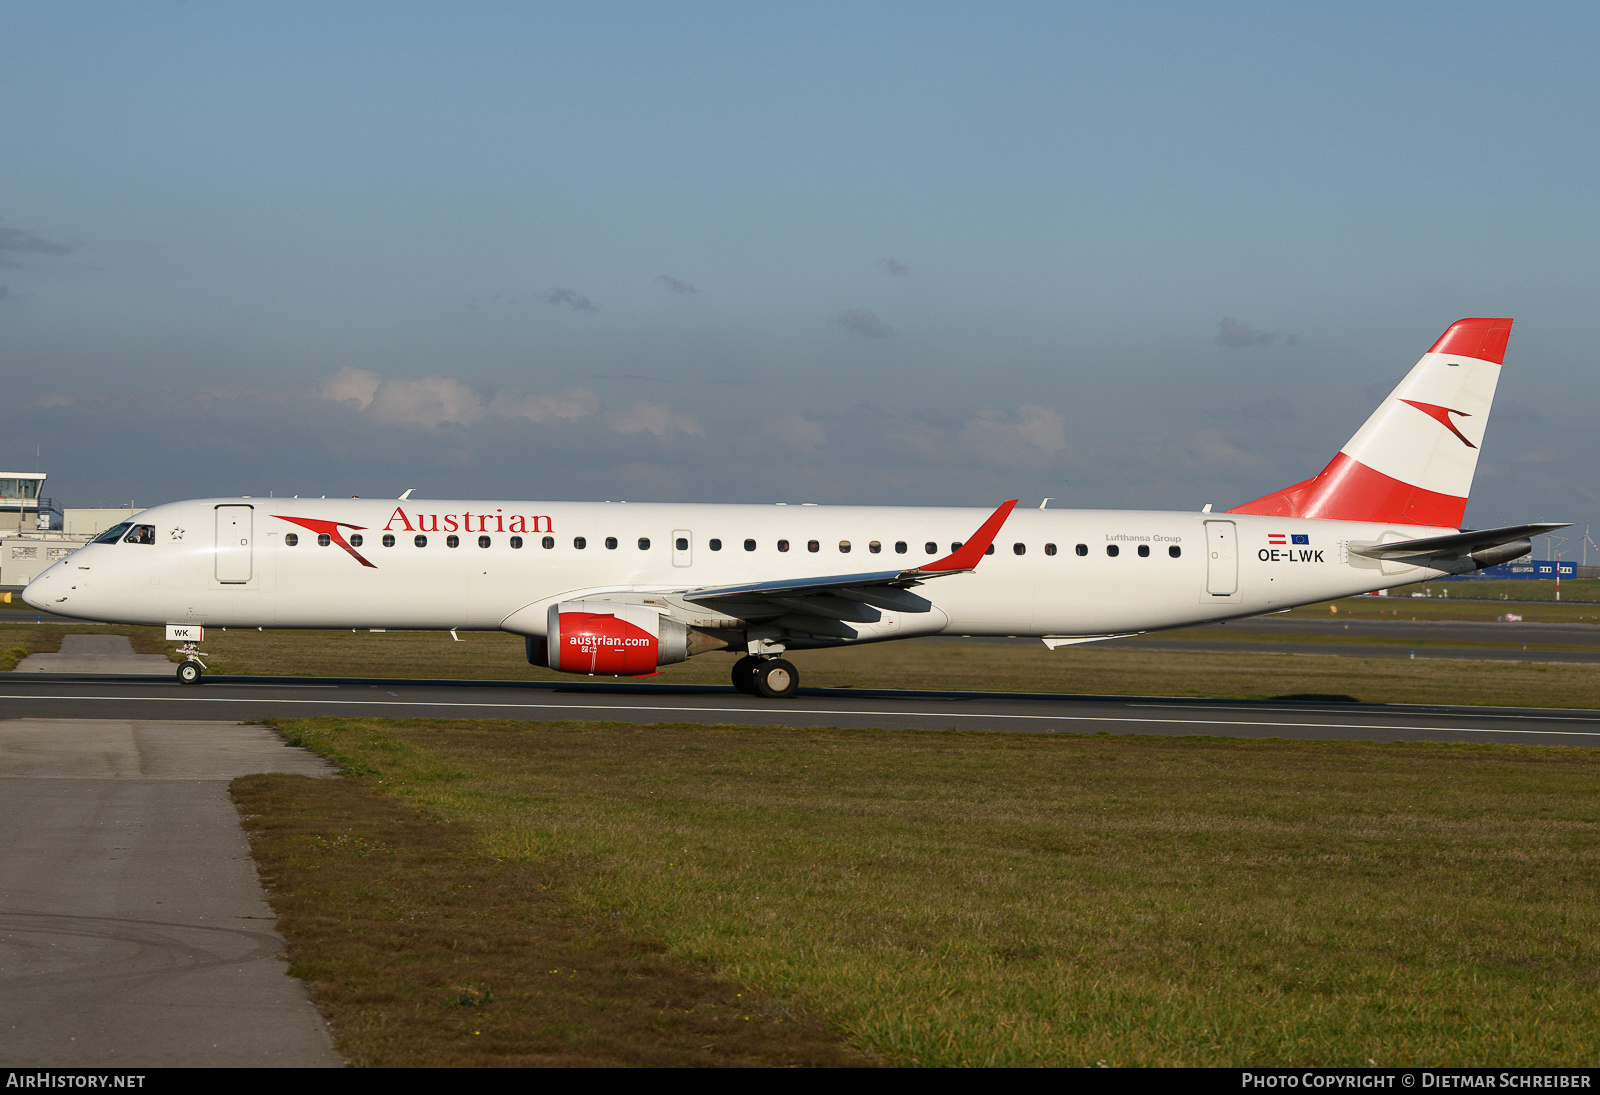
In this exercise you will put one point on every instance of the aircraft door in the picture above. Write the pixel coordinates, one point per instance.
(235, 526)
(682, 547)
(1222, 559)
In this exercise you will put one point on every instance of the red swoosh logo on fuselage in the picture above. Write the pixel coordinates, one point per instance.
(331, 528)
(1442, 415)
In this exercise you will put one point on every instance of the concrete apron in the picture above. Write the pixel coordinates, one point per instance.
(97, 654)
(133, 929)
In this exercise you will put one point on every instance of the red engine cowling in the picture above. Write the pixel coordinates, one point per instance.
(610, 639)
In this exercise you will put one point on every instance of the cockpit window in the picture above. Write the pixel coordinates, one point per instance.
(112, 534)
(141, 534)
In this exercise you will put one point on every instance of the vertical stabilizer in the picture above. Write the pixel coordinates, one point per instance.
(1413, 460)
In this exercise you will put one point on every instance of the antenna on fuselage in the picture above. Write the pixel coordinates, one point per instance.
(1045, 503)
(407, 494)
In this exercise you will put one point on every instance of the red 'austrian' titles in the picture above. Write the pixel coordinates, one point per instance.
(498, 521)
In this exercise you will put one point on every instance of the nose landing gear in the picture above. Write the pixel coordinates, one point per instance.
(191, 669)
(769, 678)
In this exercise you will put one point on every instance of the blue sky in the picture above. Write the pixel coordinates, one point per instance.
(1135, 255)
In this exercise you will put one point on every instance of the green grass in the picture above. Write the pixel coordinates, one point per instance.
(1574, 590)
(986, 899)
(1453, 607)
(422, 951)
(17, 641)
(918, 664)
(941, 665)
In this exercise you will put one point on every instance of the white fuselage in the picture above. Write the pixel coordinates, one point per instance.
(229, 563)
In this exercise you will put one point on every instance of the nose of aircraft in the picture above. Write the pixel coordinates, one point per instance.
(37, 592)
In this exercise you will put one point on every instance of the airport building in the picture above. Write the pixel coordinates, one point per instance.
(35, 531)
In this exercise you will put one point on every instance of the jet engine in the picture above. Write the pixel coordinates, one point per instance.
(604, 638)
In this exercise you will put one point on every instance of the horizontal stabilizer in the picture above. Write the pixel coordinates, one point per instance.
(1459, 543)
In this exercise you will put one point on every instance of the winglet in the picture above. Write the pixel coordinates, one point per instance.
(967, 555)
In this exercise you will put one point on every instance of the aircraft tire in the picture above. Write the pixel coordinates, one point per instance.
(189, 673)
(744, 675)
(776, 679)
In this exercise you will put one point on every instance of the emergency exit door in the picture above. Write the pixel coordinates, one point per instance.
(234, 536)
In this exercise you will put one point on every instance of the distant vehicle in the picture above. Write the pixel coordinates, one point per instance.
(623, 588)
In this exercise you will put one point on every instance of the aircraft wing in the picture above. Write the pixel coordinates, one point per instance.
(855, 597)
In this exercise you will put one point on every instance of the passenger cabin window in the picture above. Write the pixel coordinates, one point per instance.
(844, 547)
(452, 541)
(955, 546)
(714, 545)
(112, 534)
(899, 547)
(644, 543)
(611, 543)
(548, 542)
(1049, 549)
(1174, 551)
(356, 540)
(290, 539)
(1144, 551)
(783, 545)
(1019, 549)
(749, 545)
(579, 542)
(681, 544)
(1082, 549)
(421, 541)
(516, 542)
(931, 548)
(812, 545)
(388, 539)
(989, 550)
(1111, 550)
(140, 534)
(323, 539)
(875, 547)
(483, 541)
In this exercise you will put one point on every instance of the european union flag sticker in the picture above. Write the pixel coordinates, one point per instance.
(1298, 539)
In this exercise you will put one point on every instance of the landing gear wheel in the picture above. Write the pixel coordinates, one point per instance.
(744, 675)
(189, 673)
(776, 679)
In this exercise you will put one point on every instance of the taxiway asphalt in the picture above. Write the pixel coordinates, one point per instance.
(40, 695)
(133, 930)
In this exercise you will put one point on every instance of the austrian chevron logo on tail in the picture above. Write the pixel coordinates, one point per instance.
(1442, 415)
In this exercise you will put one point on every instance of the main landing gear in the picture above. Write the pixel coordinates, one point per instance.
(769, 678)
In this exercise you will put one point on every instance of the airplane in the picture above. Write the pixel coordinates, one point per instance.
(621, 589)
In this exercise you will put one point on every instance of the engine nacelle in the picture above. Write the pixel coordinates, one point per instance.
(604, 638)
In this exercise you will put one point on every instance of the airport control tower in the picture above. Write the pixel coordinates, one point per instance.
(23, 507)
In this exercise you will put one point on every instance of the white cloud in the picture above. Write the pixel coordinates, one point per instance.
(1032, 434)
(429, 401)
(358, 385)
(654, 418)
(796, 433)
(547, 406)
